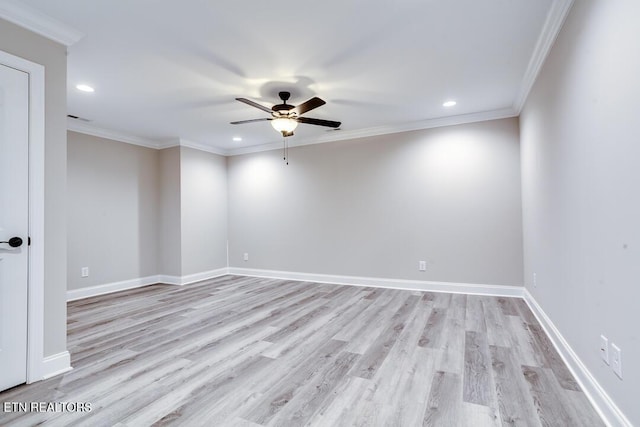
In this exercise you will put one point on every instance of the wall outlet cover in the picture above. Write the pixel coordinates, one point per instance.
(616, 360)
(604, 349)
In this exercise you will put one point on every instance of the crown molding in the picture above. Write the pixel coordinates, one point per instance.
(169, 144)
(202, 147)
(181, 142)
(33, 20)
(383, 130)
(550, 30)
(80, 127)
(87, 129)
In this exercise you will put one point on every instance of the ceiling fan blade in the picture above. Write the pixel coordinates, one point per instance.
(250, 121)
(254, 104)
(314, 102)
(319, 122)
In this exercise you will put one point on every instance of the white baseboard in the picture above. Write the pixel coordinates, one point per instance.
(413, 285)
(75, 294)
(108, 288)
(169, 280)
(417, 285)
(608, 410)
(192, 278)
(56, 364)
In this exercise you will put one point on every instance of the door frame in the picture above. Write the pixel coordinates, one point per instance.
(35, 280)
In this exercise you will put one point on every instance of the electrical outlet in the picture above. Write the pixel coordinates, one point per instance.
(84, 272)
(422, 265)
(246, 256)
(616, 360)
(604, 349)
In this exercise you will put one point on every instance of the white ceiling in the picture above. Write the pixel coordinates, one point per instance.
(165, 70)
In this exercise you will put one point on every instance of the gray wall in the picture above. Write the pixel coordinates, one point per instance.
(203, 184)
(580, 153)
(35, 48)
(136, 212)
(114, 193)
(170, 211)
(376, 206)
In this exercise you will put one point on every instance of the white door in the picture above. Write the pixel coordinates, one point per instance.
(14, 225)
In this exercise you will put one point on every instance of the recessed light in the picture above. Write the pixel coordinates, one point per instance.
(85, 88)
(449, 104)
(237, 139)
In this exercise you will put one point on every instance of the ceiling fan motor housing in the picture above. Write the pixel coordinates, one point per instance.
(284, 106)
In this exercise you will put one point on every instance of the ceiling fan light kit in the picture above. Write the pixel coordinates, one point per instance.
(285, 117)
(284, 125)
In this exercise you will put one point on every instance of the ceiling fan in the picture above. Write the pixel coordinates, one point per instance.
(285, 117)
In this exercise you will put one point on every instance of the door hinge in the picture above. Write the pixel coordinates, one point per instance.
(29, 241)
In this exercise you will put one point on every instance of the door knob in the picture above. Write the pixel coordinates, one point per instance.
(14, 242)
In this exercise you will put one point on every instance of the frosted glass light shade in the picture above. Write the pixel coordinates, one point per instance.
(284, 125)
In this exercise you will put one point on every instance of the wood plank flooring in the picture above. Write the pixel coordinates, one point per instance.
(240, 351)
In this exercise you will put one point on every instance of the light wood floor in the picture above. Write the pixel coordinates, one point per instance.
(246, 352)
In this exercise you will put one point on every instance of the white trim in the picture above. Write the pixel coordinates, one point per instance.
(382, 130)
(169, 144)
(35, 303)
(550, 30)
(81, 127)
(92, 291)
(412, 285)
(169, 280)
(192, 278)
(415, 285)
(56, 364)
(38, 22)
(108, 288)
(604, 405)
(75, 125)
(201, 147)
(36, 220)
(205, 275)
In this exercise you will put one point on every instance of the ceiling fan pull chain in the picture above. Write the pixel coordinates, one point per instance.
(285, 150)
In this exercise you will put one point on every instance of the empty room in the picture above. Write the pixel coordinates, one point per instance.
(420, 213)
